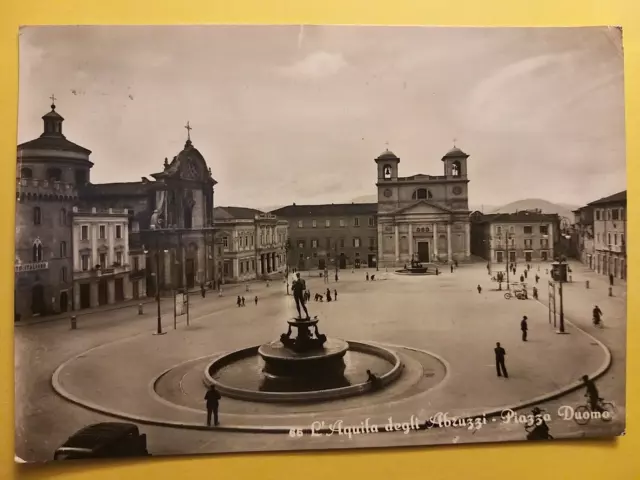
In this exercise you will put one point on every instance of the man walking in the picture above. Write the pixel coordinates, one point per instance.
(479, 288)
(213, 398)
(500, 352)
(611, 279)
(524, 327)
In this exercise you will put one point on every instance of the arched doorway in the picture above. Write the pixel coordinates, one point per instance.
(37, 300)
(64, 301)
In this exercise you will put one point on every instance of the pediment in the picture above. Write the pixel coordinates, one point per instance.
(423, 207)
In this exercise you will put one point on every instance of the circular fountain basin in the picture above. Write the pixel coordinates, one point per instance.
(242, 374)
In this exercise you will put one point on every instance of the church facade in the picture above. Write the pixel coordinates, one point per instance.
(423, 217)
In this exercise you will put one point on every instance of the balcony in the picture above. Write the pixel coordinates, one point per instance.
(100, 272)
(31, 267)
(37, 187)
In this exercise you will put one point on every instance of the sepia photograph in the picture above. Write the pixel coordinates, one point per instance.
(303, 237)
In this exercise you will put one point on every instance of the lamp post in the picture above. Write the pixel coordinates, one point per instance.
(287, 247)
(157, 273)
(508, 237)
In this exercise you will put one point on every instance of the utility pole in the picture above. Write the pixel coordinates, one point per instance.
(506, 239)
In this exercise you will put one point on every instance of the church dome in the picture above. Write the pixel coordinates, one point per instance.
(388, 155)
(455, 152)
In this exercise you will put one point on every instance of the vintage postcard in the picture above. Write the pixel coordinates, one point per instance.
(258, 238)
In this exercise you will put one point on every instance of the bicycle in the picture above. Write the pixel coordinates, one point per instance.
(583, 413)
(598, 324)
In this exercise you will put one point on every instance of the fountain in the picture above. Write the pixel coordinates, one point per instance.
(417, 268)
(306, 367)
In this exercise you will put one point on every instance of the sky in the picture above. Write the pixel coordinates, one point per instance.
(287, 114)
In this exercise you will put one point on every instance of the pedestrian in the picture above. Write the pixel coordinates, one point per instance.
(537, 277)
(328, 295)
(243, 301)
(255, 299)
(489, 268)
(479, 288)
(500, 352)
(452, 268)
(373, 277)
(239, 301)
(202, 290)
(367, 277)
(611, 279)
(535, 293)
(267, 283)
(335, 294)
(213, 400)
(521, 278)
(525, 274)
(524, 327)
(336, 276)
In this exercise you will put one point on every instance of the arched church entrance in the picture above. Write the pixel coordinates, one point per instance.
(190, 265)
(37, 300)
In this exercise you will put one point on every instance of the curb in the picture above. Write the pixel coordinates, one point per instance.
(56, 384)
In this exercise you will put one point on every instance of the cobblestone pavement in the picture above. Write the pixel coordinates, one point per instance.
(365, 310)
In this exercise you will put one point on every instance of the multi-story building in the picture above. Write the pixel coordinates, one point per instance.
(50, 171)
(423, 216)
(584, 237)
(330, 236)
(102, 262)
(603, 241)
(524, 236)
(252, 242)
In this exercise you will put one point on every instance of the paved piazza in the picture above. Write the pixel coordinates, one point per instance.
(439, 325)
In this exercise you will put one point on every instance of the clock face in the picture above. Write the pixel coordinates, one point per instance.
(388, 193)
(457, 190)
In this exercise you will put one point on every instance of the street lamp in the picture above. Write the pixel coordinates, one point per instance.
(287, 247)
(157, 272)
(508, 237)
(559, 271)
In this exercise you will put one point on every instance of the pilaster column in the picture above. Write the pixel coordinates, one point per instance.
(76, 254)
(467, 240)
(410, 241)
(435, 240)
(235, 269)
(111, 235)
(125, 237)
(449, 242)
(259, 265)
(397, 242)
(93, 232)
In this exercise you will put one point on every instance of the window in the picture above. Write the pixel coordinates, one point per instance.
(36, 255)
(300, 224)
(456, 169)
(615, 214)
(315, 254)
(102, 232)
(597, 214)
(26, 173)
(54, 174)
(544, 243)
(372, 242)
(622, 214)
(498, 230)
(342, 224)
(527, 243)
(512, 229)
(356, 222)
(37, 216)
(119, 231)
(119, 258)
(356, 242)
(372, 221)
(241, 267)
(608, 214)
(615, 239)
(622, 239)
(342, 243)
(84, 232)
(225, 242)
(314, 243)
(598, 238)
(327, 223)
(544, 256)
(81, 177)
(63, 217)
(544, 229)
(314, 224)
(609, 239)
(300, 243)
(136, 264)
(63, 249)
(63, 274)
(528, 229)
(85, 262)
(103, 260)
(386, 171)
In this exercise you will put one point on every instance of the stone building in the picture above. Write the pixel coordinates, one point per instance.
(524, 236)
(423, 216)
(170, 220)
(603, 234)
(252, 242)
(103, 266)
(329, 236)
(50, 169)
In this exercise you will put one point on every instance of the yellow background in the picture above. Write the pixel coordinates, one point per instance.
(618, 459)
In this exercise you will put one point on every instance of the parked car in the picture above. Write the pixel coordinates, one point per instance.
(104, 440)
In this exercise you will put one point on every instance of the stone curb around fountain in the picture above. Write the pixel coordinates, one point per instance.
(57, 386)
(333, 394)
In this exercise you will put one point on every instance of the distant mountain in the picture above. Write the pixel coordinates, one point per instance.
(562, 209)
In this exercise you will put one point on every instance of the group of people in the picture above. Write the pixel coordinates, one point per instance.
(240, 301)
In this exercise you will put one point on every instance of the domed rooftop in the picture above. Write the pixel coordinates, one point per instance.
(455, 152)
(388, 155)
